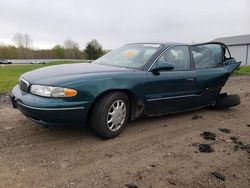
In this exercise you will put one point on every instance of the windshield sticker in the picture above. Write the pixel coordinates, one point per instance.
(130, 54)
(152, 45)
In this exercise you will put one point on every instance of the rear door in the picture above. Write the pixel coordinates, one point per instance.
(210, 72)
(172, 90)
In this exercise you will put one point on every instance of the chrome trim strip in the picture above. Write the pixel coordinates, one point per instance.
(182, 96)
(164, 98)
(37, 108)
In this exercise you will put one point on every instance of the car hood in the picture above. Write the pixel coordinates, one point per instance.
(61, 72)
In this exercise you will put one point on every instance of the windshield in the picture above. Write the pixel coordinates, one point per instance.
(131, 56)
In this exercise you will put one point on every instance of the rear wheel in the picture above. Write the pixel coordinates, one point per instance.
(227, 101)
(110, 114)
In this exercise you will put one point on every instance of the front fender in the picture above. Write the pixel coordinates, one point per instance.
(132, 83)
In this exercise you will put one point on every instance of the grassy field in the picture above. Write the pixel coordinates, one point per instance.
(9, 74)
(243, 70)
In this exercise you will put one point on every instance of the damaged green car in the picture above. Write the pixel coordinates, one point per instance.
(127, 83)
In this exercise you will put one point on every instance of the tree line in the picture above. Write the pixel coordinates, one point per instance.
(68, 50)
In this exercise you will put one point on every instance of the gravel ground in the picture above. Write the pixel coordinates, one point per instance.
(151, 152)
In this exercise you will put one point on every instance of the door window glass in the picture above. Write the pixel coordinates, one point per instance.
(177, 56)
(207, 56)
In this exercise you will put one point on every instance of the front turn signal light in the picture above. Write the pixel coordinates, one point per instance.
(70, 92)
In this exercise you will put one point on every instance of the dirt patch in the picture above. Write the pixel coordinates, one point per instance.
(205, 148)
(4, 97)
(224, 130)
(218, 175)
(194, 117)
(151, 152)
(240, 145)
(171, 181)
(131, 185)
(208, 135)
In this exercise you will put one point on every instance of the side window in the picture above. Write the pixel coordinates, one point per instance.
(207, 56)
(177, 56)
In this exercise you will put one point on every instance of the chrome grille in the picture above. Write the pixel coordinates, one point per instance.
(24, 85)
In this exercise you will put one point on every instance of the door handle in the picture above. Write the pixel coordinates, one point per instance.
(190, 79)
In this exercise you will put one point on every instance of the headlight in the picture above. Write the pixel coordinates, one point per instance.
(48, 91)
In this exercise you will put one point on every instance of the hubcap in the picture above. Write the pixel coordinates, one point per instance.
(116, 115)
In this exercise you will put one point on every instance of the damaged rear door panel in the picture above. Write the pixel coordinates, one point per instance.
(213, 69)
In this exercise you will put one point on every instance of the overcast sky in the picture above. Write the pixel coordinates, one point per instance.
(117, 22)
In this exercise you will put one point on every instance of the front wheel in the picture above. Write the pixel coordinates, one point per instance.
(110, 114)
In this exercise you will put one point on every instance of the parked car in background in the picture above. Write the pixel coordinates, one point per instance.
(39, 62)
(3, 61)
(127, 83)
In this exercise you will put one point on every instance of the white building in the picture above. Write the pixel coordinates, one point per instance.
(239, 47)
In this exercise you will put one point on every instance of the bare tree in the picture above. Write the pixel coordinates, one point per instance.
(70, 44)
(18, 40)
(27, 41)
(71, 49)
(23, 42)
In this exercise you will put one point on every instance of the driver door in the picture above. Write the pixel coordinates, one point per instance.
(171, 90)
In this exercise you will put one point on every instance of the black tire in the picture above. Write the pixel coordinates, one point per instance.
(227, 101)
(99, 114)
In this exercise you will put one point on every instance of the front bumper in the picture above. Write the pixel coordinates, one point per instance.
(50, 111)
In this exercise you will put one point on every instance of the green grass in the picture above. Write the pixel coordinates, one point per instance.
(9, 74)
(243, 70)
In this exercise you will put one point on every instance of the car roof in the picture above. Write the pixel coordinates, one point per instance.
(166, 44)
(160, 43)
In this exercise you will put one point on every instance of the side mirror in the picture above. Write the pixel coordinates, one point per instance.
(163, 66)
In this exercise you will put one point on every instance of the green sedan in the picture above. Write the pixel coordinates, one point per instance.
(127, 83)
